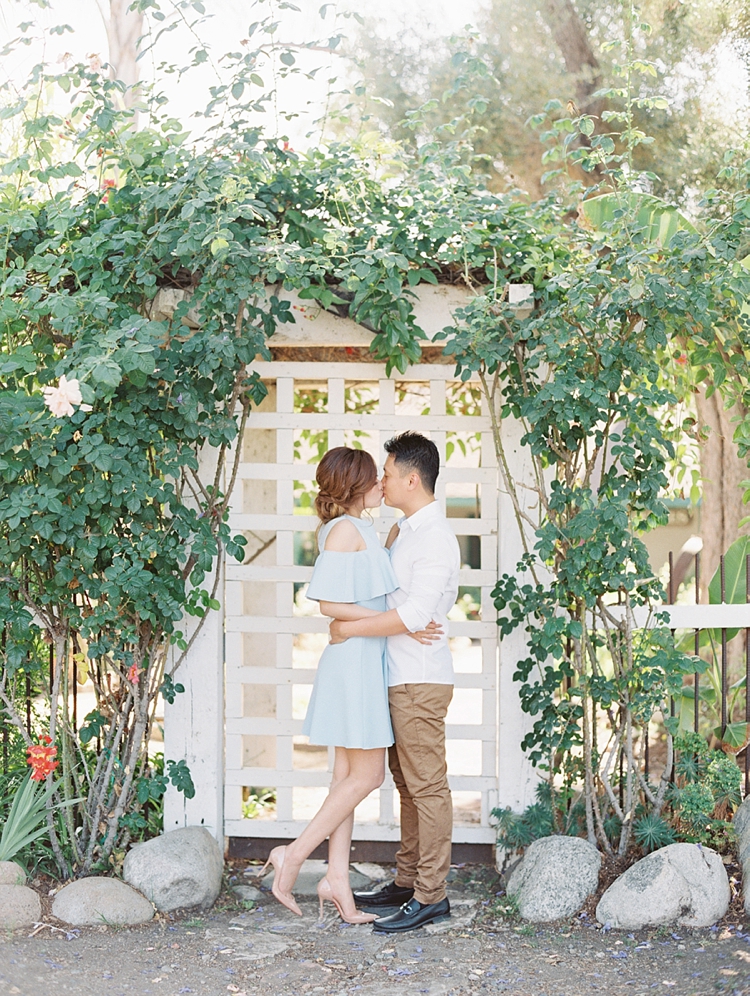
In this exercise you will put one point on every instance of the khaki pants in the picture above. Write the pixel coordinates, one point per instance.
(417, 763)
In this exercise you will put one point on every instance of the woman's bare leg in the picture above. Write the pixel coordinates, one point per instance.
(366, 770)
(340, 840)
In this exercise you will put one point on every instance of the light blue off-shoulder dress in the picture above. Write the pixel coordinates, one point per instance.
(349, 701)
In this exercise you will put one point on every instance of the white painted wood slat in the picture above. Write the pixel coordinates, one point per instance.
(268, 669)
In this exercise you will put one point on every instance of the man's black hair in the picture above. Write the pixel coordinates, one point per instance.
(412, 451)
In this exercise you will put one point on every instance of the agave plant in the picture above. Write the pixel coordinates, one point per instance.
(27, 818)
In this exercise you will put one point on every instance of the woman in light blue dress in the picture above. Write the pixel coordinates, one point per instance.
(349, 704)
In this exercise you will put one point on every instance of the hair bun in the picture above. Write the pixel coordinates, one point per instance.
(343, 475)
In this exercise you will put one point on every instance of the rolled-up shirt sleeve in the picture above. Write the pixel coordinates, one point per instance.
(431, 577)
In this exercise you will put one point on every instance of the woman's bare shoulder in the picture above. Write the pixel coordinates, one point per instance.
(344, 537)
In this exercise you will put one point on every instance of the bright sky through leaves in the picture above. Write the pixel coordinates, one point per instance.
(226, 27)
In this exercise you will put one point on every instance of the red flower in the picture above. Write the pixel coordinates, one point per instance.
(41, 757)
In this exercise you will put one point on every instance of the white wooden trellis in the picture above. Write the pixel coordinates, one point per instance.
(237, 722)
(260, 673)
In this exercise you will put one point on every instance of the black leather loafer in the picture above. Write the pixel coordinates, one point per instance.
(386, 895)
(412, 915)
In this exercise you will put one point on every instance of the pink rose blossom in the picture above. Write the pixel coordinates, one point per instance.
(63, 399)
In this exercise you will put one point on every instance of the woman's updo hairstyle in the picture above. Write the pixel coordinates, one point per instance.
(343, 475)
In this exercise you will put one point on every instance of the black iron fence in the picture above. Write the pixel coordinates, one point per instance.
(717, 703)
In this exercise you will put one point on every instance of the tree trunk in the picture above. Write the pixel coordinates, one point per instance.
(124, 30)
(581, 62)
(723, 472)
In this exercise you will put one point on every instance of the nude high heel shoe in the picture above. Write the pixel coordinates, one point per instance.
(325, 892)
(276, 860)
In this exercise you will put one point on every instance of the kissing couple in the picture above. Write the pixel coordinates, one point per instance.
(385, 680)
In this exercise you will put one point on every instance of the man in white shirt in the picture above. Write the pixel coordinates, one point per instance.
(426, 561)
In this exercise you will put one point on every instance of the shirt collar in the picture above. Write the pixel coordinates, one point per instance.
(418, 519)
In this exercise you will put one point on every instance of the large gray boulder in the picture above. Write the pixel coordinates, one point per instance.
(19, 907)
(683, 884)
(101, 900)
(182, 868)
(11, 873)
(554, 878)
(741, 824)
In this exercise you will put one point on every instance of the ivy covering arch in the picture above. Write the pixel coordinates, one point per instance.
(109, 531)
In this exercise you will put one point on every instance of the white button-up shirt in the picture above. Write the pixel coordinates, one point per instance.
(426, 560)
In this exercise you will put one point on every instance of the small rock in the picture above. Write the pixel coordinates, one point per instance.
(372, 872)
(554, 878)
(101, 900)
(684, 884)
(11, 873)
(248, 893)
(463, 912)
(19, 906)
(260, 948)
(182, 868)
(311, 873)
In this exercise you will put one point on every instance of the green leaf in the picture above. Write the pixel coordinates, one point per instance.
(636, 290)
(735, 735)
(660, 219)
(734, 574)
(107, 372)
(179, 775)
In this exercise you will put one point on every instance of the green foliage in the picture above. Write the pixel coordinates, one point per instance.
(652, 832)
(93, 725)
(690, 130)
(553, 812)
(658, 220)
(170, 689)
(258, 802)
(25, 821)
(110, 529)
(707, 792)
(582, 373)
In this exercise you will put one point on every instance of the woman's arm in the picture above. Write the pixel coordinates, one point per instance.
(345, 610)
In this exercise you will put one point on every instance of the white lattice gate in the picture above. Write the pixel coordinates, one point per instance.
(274, 635)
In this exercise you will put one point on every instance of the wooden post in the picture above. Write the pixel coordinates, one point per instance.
(194, 723)
(194, 730)
(517, 779)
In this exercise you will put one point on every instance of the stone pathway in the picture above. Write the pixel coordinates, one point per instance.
(266, 951)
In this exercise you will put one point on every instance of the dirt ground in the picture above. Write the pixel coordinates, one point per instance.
(263, 950)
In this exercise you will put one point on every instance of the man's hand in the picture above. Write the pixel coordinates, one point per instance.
(335, 629)
(427, 636)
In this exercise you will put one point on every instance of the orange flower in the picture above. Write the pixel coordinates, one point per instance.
(133, 673)
(41, 757)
